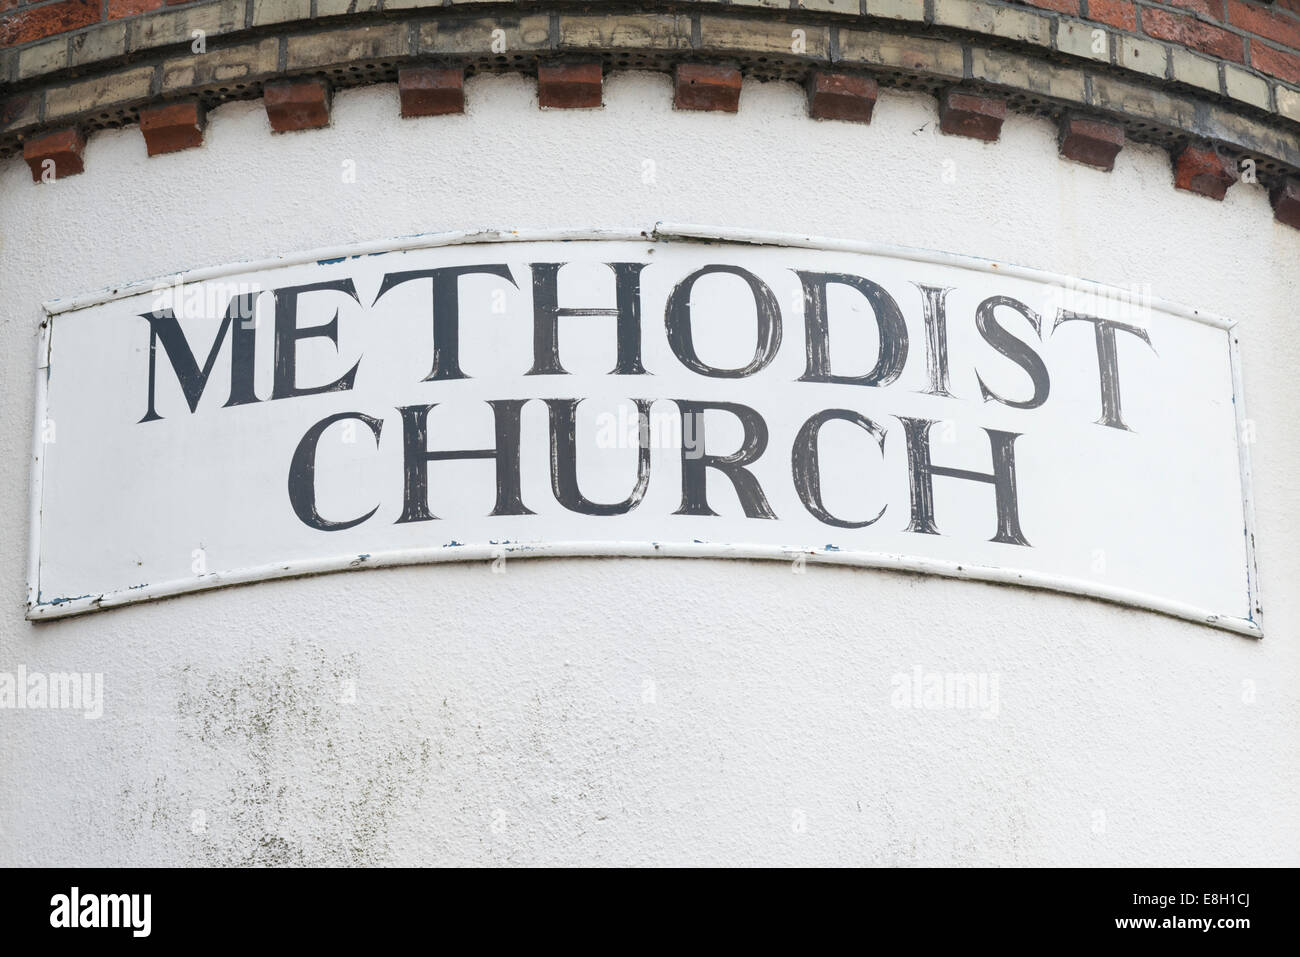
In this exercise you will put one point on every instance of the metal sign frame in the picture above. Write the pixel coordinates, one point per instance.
(40, 608)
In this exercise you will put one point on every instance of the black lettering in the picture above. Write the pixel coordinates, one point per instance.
(287, 336)
(677, 318)
(446, 310)
(696, 463)
(164, 327)
(806, 464)
(1107, 362)
(889, 322)
(934, 307)
(547, 313)
(996, 335)
(416, 458)
(564, 460)
(921, 473)
(302, 473)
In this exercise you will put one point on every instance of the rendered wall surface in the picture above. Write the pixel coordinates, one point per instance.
(650, 711)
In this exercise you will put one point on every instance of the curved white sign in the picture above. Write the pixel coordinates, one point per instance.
(493, 397)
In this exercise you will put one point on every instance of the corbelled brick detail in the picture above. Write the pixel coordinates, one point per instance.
(431, 90)
(707, 86)
(172, 126)
(1261, 34)
(1091, 141)
(567, 85)
(56, 154)
(1201, 170)
(841, 96)
(989, 49)
(302, 104)
(1285, 198)
(976, 115)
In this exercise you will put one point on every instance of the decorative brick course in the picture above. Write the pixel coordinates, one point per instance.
(707, 86)
(1219, 28)
(1200, 169)
(841, 96)
(1285, 197)
(1109, 61)
(431, 91)
(172, 126)
(1091, 141)
(567, 85)
(302, 104)
(964, 113)
(56, 154)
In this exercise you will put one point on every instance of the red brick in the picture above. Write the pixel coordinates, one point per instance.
(1292, 5)
(1201, 170)
(1060, 6)
(1285, 197)
(129, 8)
(1275, 62)
(172, 126)
(62, 147)
(841, 96)
(568, 85)
(33, 23)
(302, 104)
(14, 107)
(971, 114)
(1211, 8)
(707, 86)
(1116, 13)
(1091, 141)
(431, 91)
(1190, 32)
(1265, 23)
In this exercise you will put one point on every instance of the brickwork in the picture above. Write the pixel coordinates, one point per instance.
(1208, 73)
(1261, 36)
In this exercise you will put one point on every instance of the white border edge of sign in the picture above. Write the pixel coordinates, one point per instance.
(36, 490)
(1247, 496)
(659, 231)
(490, 552)
(37, 610)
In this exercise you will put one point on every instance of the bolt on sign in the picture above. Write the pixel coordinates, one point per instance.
(493, 396)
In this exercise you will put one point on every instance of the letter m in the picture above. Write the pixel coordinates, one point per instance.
(164, 328)
(115, 910)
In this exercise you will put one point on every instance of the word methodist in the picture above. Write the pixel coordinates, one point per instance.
(492, 399)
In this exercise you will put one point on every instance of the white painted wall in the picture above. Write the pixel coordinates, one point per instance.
(502, 718)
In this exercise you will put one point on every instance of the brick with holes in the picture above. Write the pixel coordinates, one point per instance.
(301, 104)
(1200, 169)
(172, 126)
(963, 113)
(431, 91)
(1285, 197)
(841, 96)
(1091, 141)
(55, 155)
(565, 85)
(707, 86)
